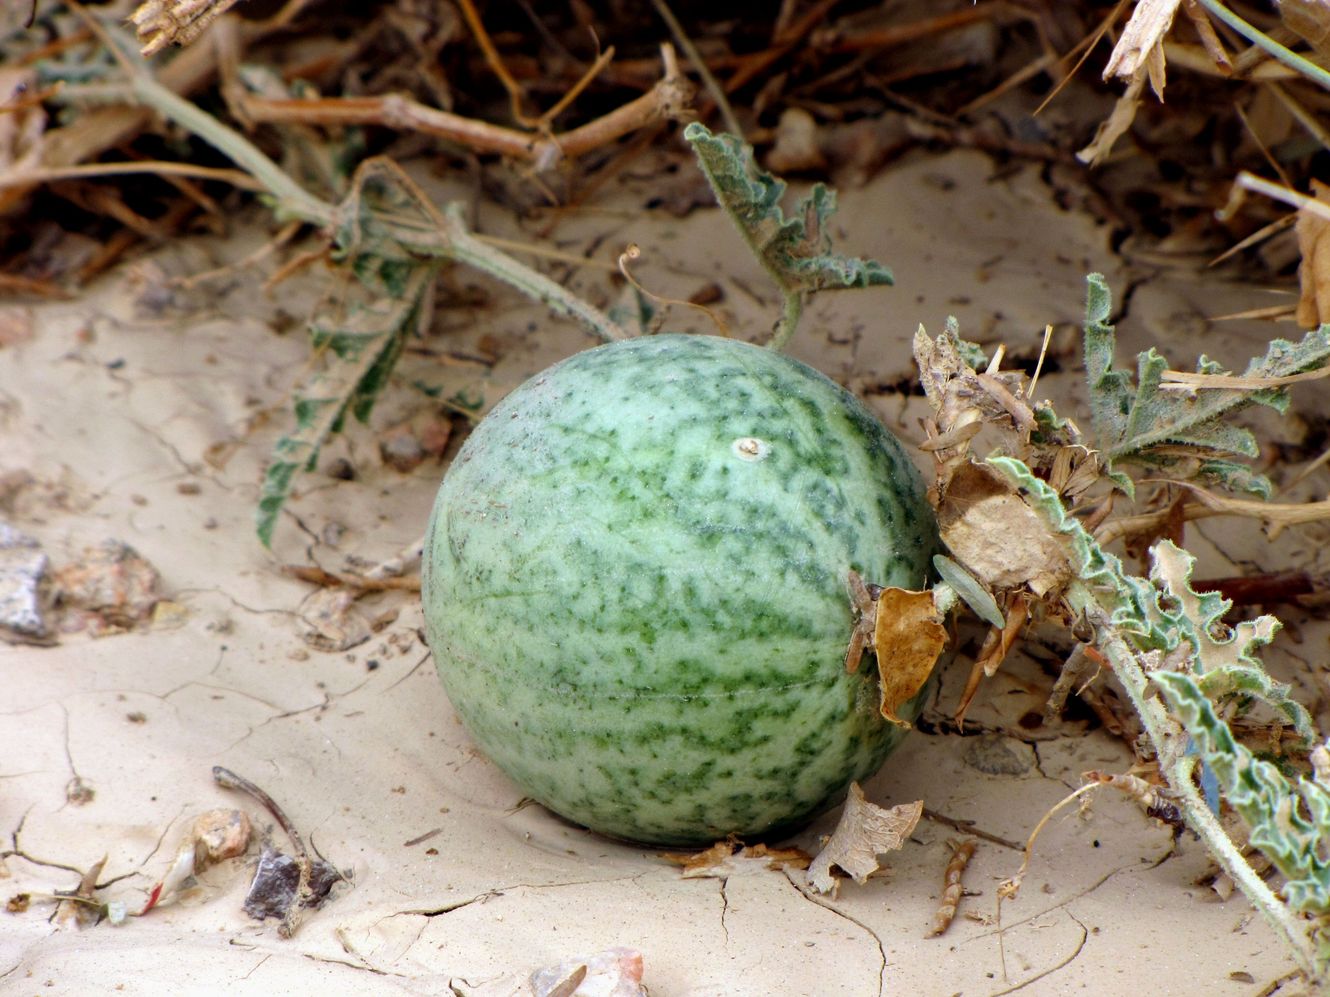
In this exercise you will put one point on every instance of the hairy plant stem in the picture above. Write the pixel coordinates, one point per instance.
(451, 241)
(791, 312)
(1178, 768)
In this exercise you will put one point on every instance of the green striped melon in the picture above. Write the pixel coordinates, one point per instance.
(635, 586)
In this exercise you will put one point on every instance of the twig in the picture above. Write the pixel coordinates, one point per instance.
(668, 99)
(1088, 43)
(1249, 181)
(633, 253)
(690, 50)
(952, 886)
(51, 174)
(449, 239)
(347, 579)
(227, 779)
(968, 827)
(836, 42)
(495, 62)
(757, 63)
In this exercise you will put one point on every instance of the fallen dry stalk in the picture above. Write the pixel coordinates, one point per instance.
(668, 99)
(953, 888)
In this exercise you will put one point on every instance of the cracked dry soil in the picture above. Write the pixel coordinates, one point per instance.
(145, 413)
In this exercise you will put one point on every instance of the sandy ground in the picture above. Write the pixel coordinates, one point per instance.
(146, 415)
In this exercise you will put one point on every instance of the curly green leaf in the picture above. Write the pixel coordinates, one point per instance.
(1286, 821)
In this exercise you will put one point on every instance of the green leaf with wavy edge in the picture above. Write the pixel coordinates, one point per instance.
(1200, 615)
(1138, 421)
(1289, 823)
(358, 355)
(1164, 612)
(797, 250)
(1130, 601)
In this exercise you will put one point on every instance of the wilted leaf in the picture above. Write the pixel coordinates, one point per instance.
(1311, 20)
(1314, 270)
(728, 858)
(865, 831)
(997, 537)
(908, 636)
(1141, 43)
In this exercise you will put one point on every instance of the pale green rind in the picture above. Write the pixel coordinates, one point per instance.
(643, 628)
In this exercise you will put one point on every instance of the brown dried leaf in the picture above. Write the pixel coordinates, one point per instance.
(997, 537)
(1311, 20)
(727, 858)
(865, 831)
(965, 401)
(1314, 271)
(908, 636)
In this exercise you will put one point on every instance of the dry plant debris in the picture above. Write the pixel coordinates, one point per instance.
(907, 637)
(731, 858)
(952, 886)
(284, 886)
(1049, 465)
(212, 837)
(864, 832)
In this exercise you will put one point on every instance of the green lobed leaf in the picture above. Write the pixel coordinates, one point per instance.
(1199, 616)
(1164, 612)
(358, 356)
(795, 250)
(1140, 421)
